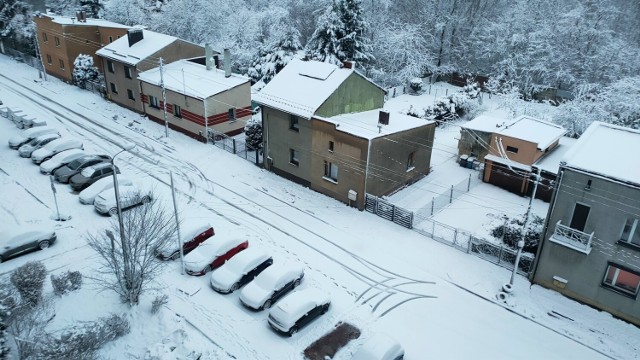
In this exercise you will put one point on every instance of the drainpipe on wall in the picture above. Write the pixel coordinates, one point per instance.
(366, 170)
(206, 122)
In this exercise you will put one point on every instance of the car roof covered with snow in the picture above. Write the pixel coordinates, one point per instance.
(297, 303)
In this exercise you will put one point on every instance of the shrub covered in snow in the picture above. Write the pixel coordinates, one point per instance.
(253, 133)
(415, 85)
(28, 279)
(455, 105)
(158, 302)
(83, 70)
(67, 282)
(510, 231)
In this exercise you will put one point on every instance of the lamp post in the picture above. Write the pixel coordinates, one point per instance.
(125, 254)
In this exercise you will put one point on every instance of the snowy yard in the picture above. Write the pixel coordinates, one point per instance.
(438, 302)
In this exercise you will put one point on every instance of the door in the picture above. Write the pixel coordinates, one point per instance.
(579, 218)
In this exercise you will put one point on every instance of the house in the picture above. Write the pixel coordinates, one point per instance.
(201, 99)
(61, 39)
(590, 248)
(514, 148)
(476, 134)
(140, 50)
(325, 127)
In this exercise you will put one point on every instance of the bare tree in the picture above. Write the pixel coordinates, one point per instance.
(129, 264)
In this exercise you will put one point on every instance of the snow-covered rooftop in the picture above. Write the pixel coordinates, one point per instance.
(192, 79)
(607, 150)
(302, 87)
(487, 123)
(151, 43)
(365, 124)
(551, 161)
(533, 130)
(71, 20)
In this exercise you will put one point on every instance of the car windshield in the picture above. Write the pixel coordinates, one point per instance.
(34, 141)
(75, 164)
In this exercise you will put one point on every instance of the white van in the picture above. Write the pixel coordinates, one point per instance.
(55, 147)
(24, 137)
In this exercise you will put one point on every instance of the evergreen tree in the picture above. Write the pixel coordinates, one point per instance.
(325, 42)
(15, 23)
(253, 133)
(274, 57)
(83, 70)
(353, 43)
(93, 8)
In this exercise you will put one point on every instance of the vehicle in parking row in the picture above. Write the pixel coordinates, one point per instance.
(27, 149)
(272, 284)
(193, 233)
(130, 196)
(239, 270)
(64, 173)
(25, 136)
(55, 147)
(298, 309)
(212, 254)
(379, 347)
(59, 160)
(91, 174)
(23, 239)
(88, 195)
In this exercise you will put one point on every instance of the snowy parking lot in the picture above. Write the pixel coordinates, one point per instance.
(438, 302)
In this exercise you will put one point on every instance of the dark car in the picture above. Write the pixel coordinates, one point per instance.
(24, 239)
(298, 309)
(90, 175)
(65, 173)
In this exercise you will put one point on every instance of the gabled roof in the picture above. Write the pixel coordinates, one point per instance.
(302, 87)
(550, 162)
(365, 124)
(487, 123)
(71, 20)
(151, 43)
(192, 79)
(540, 132)
(607, 150)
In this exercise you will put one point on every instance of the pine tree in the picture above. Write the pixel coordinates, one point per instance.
(253, 133)
(15, 21)
(324, 43)
(274, 57)
(83, 70)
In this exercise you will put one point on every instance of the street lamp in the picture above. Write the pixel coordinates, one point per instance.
(125, 254)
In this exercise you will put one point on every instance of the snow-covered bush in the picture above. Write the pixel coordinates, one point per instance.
(253, 133)
(510, 231)
(274, 57)
(28, 279)
(415, 85)
(67, 282)
(83, 70)
(413, 112)
(158, 302)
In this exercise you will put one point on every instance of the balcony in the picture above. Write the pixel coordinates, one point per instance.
(572, 238)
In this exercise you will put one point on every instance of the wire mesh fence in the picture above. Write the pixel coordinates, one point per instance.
(439, 201)
(235, 146)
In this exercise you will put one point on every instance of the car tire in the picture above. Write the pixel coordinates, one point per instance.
(113, 211)
(145, 199)
(43, 244)
(267, 304)
(293, 330)
(296, 283)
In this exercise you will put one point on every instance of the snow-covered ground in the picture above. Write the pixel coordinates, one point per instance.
(438, 302)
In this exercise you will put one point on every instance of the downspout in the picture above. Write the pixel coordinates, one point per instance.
(366, 169)
(206, 122)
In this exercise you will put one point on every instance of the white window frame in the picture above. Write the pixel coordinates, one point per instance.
(294, 157)
(411, 161)
(153, 102)
(635, 223)
(130, 95)
(111, 67)
(330, 172)
(127, 72)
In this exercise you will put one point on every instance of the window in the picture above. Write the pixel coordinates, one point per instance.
(127, 72)
(177, 111)
(621, 279)
(153, 102)
(512, 149)
(293, 123)
(49, 61)
(330, 171)
(114, 88)
(110, 39)
(110, 66)
(293, 157)
(57, 39)
(232, 114)
(44, 37)
(130, 94)
(631, 232)
(331, 146)
(61, 64)
(411, 161)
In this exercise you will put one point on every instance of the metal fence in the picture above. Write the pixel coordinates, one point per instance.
(24, 58)
(235, 146)
(388, 211)
(439, 201)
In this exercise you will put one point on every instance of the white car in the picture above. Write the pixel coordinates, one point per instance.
(24, 137)
(212, 254)
(241, 269)
(25, 238)
(272, 284)
(297, 310)
(59, 160)
(130, 196)
(27, 149)
(193, 231)
(55, 147)
(380, 347)
(88, 195)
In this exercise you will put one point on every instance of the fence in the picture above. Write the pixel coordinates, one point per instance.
(395, 91)
(24, 58)
(388, 211)
(235, 146)
(440, 201)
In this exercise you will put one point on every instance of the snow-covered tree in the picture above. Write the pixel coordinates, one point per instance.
(253, 133)
(92, 8)
(324, 44)
(274, 57)
(16, 25)
(84, 71)
(127, 12)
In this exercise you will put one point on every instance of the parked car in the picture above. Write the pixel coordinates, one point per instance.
(130, 196)
(91, 174)
(65, 173)
(297, 309)
(193, 233)
(272, 284)
(88, 195)
(55, 147)
(380, 347)
(25, 136)
(241, 269)
(212, 254)
(23, 239)
(27, 149)
(59, 160)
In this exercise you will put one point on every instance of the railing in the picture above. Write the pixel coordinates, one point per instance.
(572, 238)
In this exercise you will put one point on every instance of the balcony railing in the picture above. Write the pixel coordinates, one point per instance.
(572, 238)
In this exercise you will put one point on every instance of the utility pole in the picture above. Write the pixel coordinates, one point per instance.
(164, 101)
(175, 211)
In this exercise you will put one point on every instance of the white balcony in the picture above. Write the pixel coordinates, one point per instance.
(572, 238)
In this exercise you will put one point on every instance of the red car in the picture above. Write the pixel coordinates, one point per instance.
(193, 233)
(212, 254)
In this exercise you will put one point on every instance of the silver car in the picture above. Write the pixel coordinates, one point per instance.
(27, 149)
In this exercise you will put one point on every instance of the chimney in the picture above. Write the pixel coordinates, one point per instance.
(208, 55)
(383, 118)
(134, 35)
(81, 16)
(348, 64)
(227, 63)
(216, 61)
